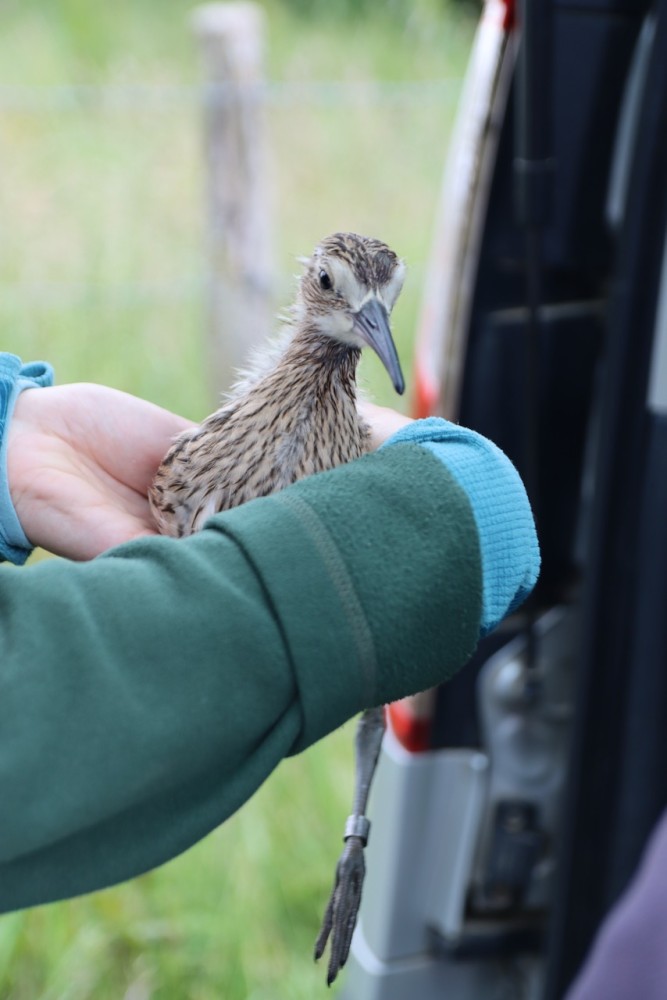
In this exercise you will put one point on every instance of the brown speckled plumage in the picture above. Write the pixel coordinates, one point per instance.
(294, 414)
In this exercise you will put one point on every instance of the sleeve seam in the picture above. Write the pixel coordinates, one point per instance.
(343, 585)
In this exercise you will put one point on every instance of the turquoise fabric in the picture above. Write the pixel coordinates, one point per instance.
(500, 505)
(14, 378)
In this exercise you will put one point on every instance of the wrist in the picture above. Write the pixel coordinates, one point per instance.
(15, 377)
(505, 525)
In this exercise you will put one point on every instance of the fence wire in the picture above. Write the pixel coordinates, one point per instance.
(165, 98)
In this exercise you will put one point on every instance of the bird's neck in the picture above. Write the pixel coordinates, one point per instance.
(323, 363)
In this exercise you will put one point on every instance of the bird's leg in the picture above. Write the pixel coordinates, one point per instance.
(341, 913)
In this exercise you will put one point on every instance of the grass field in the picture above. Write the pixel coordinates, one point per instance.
(102, 272)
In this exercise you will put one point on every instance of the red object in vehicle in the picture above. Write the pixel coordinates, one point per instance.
(411, 721)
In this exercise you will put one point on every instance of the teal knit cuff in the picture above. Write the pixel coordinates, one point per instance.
(14, 378)
(507, 536)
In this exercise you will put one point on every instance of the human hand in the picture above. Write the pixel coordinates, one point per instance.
(382, 421)
(80, 459)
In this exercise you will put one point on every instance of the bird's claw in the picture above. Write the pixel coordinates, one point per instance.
(341, 914)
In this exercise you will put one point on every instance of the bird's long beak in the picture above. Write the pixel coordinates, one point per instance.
(372, 325)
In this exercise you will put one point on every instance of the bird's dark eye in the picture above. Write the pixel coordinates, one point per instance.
(325, 281)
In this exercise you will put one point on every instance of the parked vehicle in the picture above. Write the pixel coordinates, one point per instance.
(512, 805)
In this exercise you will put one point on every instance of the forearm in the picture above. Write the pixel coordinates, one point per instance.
(147, 694)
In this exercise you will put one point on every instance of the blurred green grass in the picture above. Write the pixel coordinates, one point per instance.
(102, 272)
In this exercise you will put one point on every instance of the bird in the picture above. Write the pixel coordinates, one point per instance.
(291, 414)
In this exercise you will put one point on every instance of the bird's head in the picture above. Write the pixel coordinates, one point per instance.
(347, 292)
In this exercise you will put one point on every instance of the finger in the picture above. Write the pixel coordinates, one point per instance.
(125, 436)
(81, 531)
(84, 545)
(382, 420)
(135, 439)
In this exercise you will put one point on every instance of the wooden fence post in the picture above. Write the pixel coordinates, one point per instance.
(231, 39)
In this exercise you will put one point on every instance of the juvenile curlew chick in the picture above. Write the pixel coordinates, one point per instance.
(293, 415)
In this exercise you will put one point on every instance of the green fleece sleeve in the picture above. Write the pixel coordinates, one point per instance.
(144, 696)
